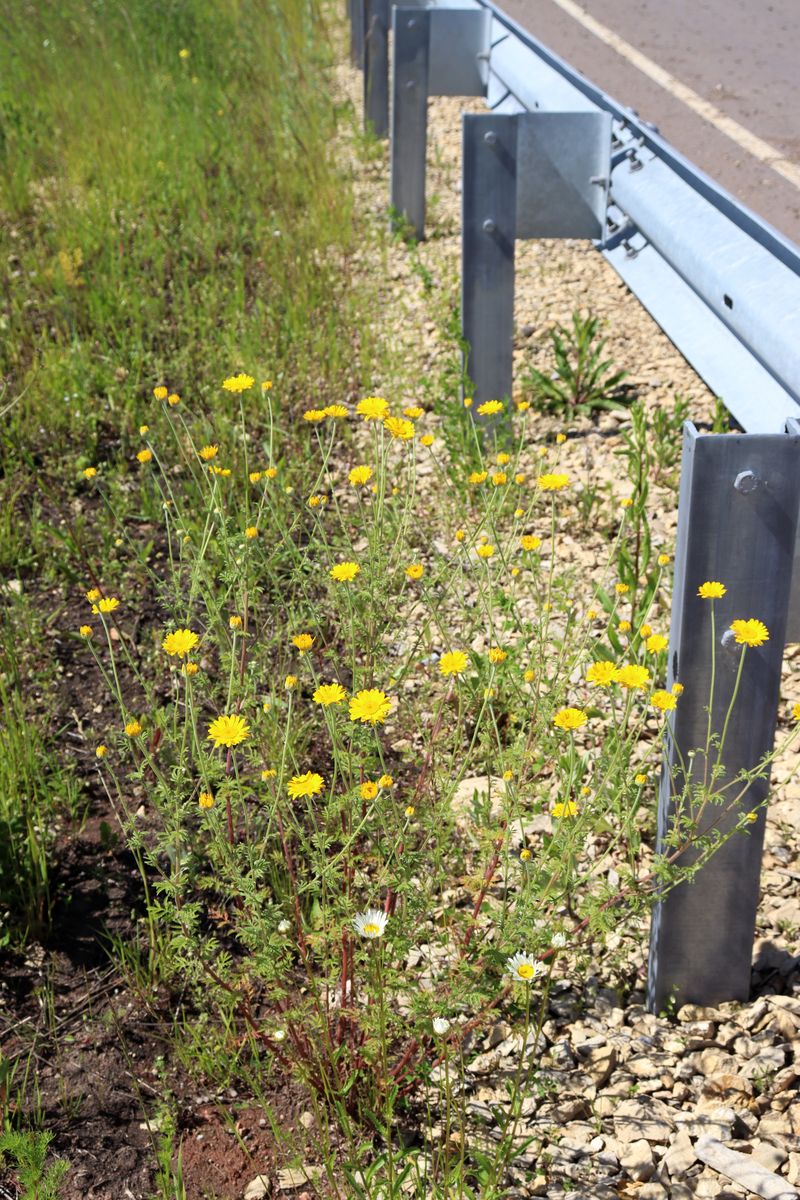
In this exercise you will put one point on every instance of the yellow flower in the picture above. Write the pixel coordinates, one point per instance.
(591, 614)
(711, 590)
(183, 53)
(309, 784)
(133, 728)
(640, 780)
(314, 414)
(89, 472)
(663, 560)
(621, 588)
(796, 712)
(290, 681)
(632, 676)
(370, 706)
(529, 676)
(488, 693)
(360, 475)
(271, 472)
(525, 855)
(144, 456)
(399, 427)
(626, 503)
(529, 541)
(508, 775)
(205, 800)
(268, 773)
(553, 483)
(467, 402)
(485, 551)
(503, 459)
(415, 571)
(335, 410)
(108, 604)
(101, 751)
(385, 781)
(143, 429)
(303, 641)
(624, 627)
(560, 439)
(515, 571)
(266, 386)
(228, 731)
(497, 654)
(570, 718)
(173, 399)
(490, 407)
(180, 642)
(410, 810)
(190, 668)
(519, 477)
(645, 630)
(251, 532)
(453, 663)
(677, 689)
(460, 534)
(372, 408)
(750, 633)
(568, 809)
(656, 643)
(160, 392)
(601, 674)
(369, 790)
(93, 594)
(209, 452)
(315, 501)
(235, 622)
(426, 439)
(86, 631)
(238, 383)
(499, 478)
(224, 471)
(413, 412)
(664, 701)
(329, 693)
(523, 405)
(344, 572)
(478, 477)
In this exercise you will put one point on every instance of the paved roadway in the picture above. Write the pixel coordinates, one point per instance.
(742, 56)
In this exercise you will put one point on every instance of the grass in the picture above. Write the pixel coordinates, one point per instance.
(302, 620)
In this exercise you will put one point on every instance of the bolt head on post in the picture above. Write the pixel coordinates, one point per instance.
(746, 481)
(489, 225)
(490, 137)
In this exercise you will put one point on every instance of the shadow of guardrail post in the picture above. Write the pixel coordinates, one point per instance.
(355, 12)
(376, 66)
(525, 175)
(737, 524)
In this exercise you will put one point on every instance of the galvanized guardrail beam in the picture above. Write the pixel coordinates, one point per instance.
(737, 524)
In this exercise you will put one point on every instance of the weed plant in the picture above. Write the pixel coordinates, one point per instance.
(582, 381)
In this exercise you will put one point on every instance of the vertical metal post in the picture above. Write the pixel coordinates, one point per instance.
(737, 524)
(356, 11)
(376, 66)
(488, 228)
(411, 39)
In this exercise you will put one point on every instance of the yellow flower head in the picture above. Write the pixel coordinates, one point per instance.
(235, 622)
(490, 407)
(410, 810)
(209, 452)
(271, 472)
(303, 641)
(560, 439)
(529, 676)
(468, 402)
(453, 663)
(478, 477)
(519, 477)
(656, 643)
(145, 456)
(290, 682)
(460, 534)
(370, 706)
(143, 429)
(530, 542)
(360, 475)
(133, 728)
(553, 483)
(180, 642)
(507, 775)
(385, 781)
(485, 551)
(238, 383)
(664, 701)
(228, 731)
(372, 408)
(601, 674)
(329, 693)
(499, 478)
(266, 386)
(344, 572)
(101, 751)
(525, 855)
(570, 718)
(415, 571)
(626, 503)
(621, 588)
(426, 439)
(206, 800)
(268, 773)
(190, 668)
(497, 654)
(108, 604)
(369, 790)
(640, 780)
(184, 53)
(796, 712)
(568, 809)
(663, 560)
(413, 412)
(645, 630)
(399, 427)
(314, 415)
(315, 501)
(503, 459)
(750, 633)
(711, 590)
(173, 398)
(93, 595)
(523, 405)
(335, 410)
(624, 627)
(251, 532)
(89, 472)
(677, 689)
(86, 631)
(309, 784)
(632, 676)
(160, 392)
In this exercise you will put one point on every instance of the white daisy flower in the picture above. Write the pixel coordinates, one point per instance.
(370, 924)
(522, 967)
(440, 1026)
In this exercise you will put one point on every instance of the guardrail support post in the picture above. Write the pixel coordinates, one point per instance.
(411, 38)
(737, 524)
(376, 66)
(488, 230)
(356, 11)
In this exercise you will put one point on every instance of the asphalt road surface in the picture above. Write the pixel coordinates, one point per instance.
(740, 56)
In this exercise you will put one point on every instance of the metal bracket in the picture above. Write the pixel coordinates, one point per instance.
(525, 175)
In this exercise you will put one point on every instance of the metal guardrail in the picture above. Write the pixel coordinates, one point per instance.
(556, 156)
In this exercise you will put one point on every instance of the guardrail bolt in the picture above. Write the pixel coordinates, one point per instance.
(412, 24)
(410, 85)
(490, 137)
(489, 225)
(746, 481)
